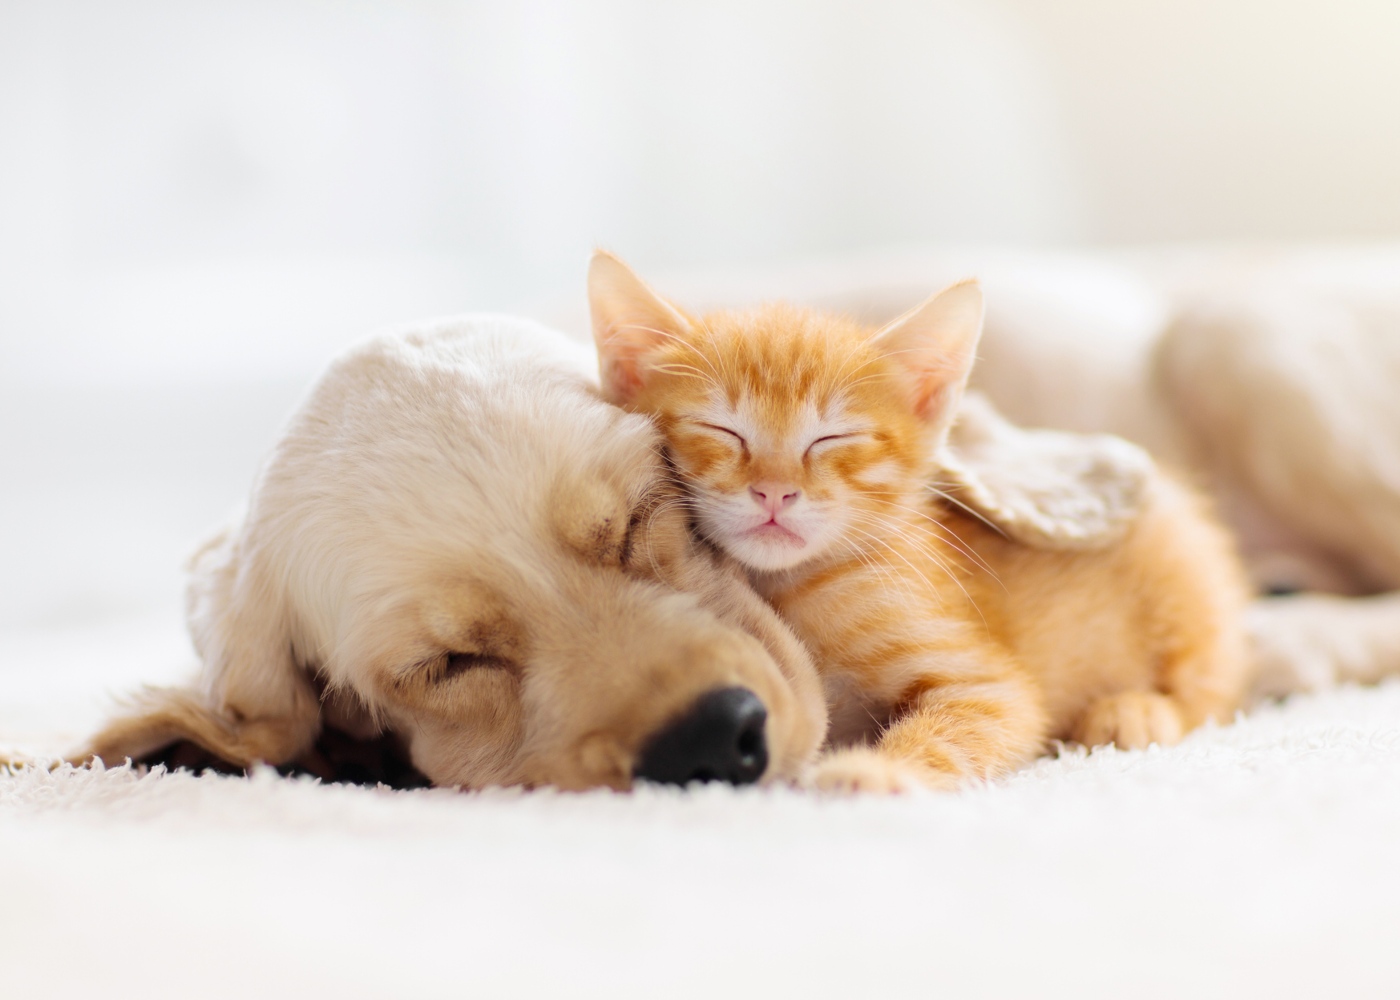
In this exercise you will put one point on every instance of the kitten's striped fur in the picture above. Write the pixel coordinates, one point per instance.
(806, 444)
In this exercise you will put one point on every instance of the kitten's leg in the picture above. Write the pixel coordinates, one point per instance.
(1190, 622)
(1130, 720)
(1202, 681)
(1195, 685)
(979, 723)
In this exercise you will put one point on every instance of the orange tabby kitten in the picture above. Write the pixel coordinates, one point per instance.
(806, 445)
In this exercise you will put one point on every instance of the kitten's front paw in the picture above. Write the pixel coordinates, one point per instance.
(1130, 720)
(860, 770)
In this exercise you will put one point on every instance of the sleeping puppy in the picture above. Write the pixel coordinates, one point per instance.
(458, 543)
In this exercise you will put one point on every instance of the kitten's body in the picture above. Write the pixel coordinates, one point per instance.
(1025, 644)
(807, 445)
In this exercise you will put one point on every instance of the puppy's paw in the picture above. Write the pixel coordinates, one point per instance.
(860, 770)
(1130, 720)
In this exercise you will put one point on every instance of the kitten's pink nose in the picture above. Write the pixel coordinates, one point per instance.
(774, 497)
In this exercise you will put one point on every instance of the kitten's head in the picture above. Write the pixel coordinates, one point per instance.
(796, 432)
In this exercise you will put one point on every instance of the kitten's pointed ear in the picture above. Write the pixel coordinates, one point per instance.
(630, 322)
(936, 344)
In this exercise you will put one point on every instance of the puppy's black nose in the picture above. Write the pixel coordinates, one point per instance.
(719, 739)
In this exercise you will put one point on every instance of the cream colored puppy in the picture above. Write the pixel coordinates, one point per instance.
(458, 542)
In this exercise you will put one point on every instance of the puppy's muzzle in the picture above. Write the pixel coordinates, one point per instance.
(720, 738)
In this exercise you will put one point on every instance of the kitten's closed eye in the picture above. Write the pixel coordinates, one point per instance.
(723, 430)
(830, 439)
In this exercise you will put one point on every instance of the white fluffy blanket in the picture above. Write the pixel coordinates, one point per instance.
(1257, 859)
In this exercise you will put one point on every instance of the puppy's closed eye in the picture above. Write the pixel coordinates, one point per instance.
(457, 664)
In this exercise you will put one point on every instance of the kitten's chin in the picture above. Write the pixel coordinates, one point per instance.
(769, 550)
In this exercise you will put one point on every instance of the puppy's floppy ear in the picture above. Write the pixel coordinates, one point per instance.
(936, 343)
(252, 701)
(1045, 489)
(630, 322)
(157, 718)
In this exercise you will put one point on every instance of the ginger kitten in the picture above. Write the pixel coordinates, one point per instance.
(806, 444)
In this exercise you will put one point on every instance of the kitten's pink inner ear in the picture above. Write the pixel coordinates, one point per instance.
(936, 344)
(630, 323)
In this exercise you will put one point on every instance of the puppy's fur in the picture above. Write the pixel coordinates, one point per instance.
(457, 541)
(1275, 381)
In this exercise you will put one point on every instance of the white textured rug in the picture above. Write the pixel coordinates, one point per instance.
(1259, 859)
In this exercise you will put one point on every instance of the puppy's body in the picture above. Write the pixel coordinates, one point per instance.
(462, 544)
(806, 444)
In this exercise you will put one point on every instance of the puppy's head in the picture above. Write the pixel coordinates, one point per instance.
(463, 543)
(544, 615)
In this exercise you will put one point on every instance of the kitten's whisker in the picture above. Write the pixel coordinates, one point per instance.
(672, 336)
(665, 506)
(668, 503)
(852, 381)
(880, 569)
(876, 494)
(679, 368)
(903, 532)
(886, 578)
(899, 532)
(900, 555)
(965, 508)
(954, 540)
(873, 376)
(852, 349)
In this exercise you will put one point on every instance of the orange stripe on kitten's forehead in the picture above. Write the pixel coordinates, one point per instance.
(778, 362)
(784, 355)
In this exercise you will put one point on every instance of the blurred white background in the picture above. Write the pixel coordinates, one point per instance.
(219, 186)
(200, 202)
